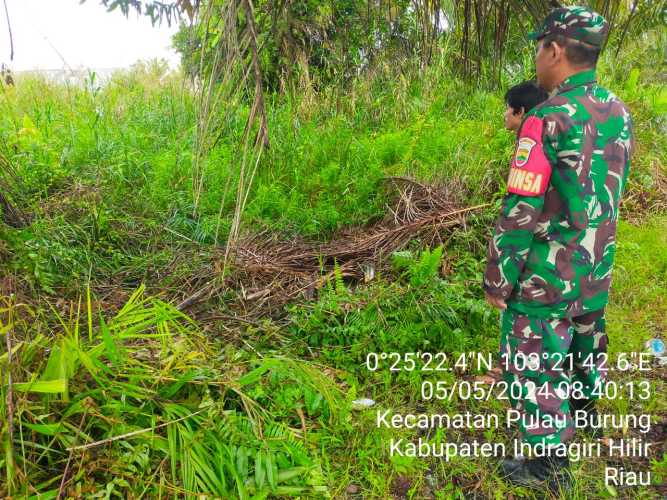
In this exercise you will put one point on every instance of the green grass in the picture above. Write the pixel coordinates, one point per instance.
(636, 314)
(264, 408)
(150, 366)
(639, 290)
(193, 419)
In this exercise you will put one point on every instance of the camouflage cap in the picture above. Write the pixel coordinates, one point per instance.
(578, 23)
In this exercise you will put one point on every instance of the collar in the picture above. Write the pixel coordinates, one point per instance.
(585, 77)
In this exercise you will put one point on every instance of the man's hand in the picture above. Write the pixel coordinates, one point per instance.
(495, 301)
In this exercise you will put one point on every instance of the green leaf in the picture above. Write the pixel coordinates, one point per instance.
(4, 358)
(89, 309)
(312, 399)
(254, 375)
(61, 363)
(44, 386)
(60, 366)
(46, 429)
(291, 473)
(271, 470)
(242, 462)
(109, 344)
(612, 491)
(4, 329)
(260, 472)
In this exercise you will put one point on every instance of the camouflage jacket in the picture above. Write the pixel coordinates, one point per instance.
(553, 246)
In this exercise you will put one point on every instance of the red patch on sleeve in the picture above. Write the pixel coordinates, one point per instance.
(530, 170)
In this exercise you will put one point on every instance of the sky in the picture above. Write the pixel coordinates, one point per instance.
(85, 36)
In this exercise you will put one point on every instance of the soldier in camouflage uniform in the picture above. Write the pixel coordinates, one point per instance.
(551, 254)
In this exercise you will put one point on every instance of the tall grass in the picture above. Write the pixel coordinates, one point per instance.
(143, 402)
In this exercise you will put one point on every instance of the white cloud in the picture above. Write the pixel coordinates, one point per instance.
(85, 35)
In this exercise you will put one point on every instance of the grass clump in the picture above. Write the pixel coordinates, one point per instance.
(142, 403)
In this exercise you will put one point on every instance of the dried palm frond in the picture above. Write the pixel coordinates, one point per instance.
(269, 272)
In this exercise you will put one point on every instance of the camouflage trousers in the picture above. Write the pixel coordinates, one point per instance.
(546, 362)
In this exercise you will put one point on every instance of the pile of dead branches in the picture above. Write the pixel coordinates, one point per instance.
(268, 272)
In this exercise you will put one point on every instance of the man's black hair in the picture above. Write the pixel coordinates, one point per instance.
(578, 53)
(526, 95)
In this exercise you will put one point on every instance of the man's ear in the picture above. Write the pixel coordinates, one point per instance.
(521, 112)
(558, 52)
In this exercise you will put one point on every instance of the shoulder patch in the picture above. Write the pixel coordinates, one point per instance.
(523, 151)
(530, 171)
